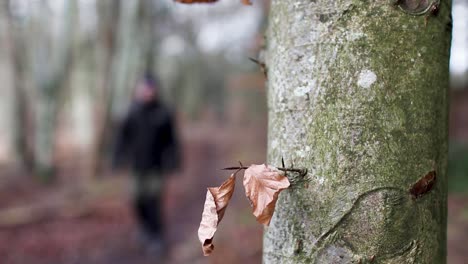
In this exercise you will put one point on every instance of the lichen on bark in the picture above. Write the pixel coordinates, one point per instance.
(358, 95)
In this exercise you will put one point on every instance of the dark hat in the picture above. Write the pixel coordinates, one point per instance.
(151, 81)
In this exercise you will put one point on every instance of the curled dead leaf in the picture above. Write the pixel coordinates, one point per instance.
(216, 202)
(208, 224)
(262, 185)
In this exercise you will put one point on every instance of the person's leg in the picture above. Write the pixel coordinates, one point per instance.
(143, 213)
(148, 205)
(155, 205)
(155, 218)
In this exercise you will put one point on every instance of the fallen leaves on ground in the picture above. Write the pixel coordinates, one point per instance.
(262, 185)
(217, 199)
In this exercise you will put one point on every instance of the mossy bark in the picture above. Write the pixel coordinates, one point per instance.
(358, 95)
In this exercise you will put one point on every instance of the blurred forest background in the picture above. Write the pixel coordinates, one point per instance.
(67, 72)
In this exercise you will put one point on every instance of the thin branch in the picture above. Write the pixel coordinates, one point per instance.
(256, 61)
(302, 171)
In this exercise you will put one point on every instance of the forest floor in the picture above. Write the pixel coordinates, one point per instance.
(79, 220)
(90, 221)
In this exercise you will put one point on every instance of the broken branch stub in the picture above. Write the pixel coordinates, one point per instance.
(423, 185)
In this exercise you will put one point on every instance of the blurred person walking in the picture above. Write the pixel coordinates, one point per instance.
(147, 140)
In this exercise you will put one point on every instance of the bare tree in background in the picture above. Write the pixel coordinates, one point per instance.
(52, 64)
(358, 94)
(147, 22)
(127, 49)
(109, 15)
(18, 52)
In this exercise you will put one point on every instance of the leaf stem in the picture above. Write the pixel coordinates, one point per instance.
(302, 171)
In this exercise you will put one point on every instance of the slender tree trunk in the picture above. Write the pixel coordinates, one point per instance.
(20, 117)
(146, 25)
(127, 59)
(109, 12)
(51, 79)
(358, 95)
(137, 48)
(130, 51)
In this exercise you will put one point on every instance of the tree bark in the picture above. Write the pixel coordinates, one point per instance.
(20, 119)
(146, 22)
(127, 59)
(137, 47)
(109, 13)
(50, 81)
(358, 94)
(132, 52)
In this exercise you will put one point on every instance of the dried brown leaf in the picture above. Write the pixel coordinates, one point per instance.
(246, 2)
(423, 185)
(208, 224)
(217, 199)
(223, 194)
(263, 184)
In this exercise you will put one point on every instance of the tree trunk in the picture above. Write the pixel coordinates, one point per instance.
(132, 52)
(50, 80)
(137, 48)
(20, 119)
(109, 12)
(146, 24)
(127, 57)
(358, 94)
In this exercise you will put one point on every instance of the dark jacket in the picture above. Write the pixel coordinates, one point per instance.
(146, 138)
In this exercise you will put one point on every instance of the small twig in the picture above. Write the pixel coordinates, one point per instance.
(262, 66)
(301, 171)
(255, 61)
